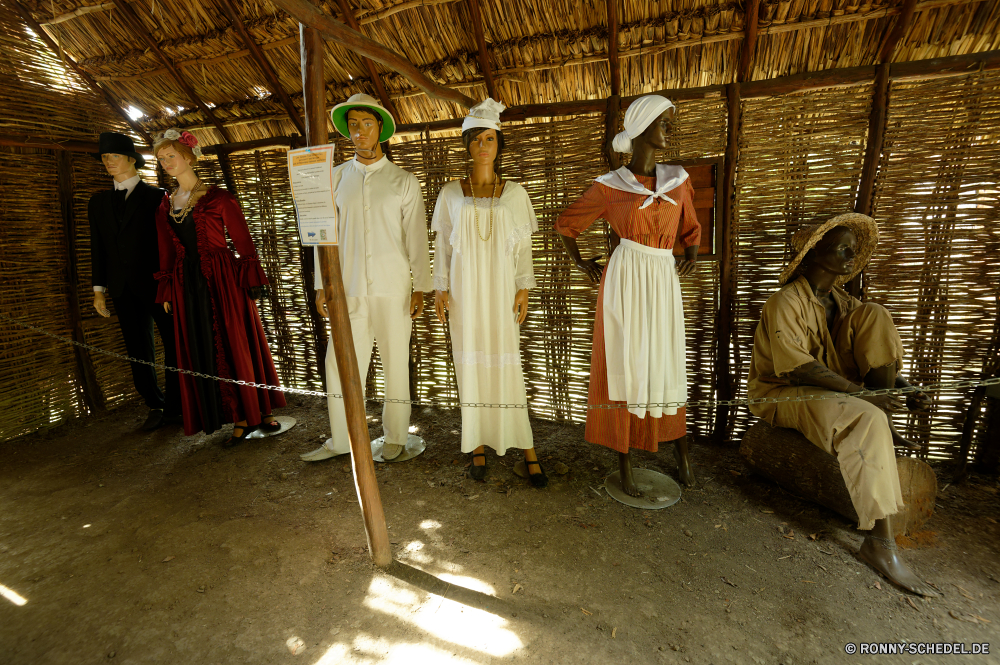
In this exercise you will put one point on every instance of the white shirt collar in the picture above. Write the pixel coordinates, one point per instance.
(370, 168)
(128, 185)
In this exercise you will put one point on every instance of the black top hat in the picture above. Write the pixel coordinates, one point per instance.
(118, 144)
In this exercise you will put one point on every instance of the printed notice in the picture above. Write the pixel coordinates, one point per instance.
(310, 172)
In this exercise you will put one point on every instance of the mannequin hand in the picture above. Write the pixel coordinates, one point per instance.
(685, 267)
(888, 403)
(166, 307)
(521, 305)
(918, 401)
(416, 304)
(592, 269)
(321, 303)
(255, 292)
(441, 305)
(100, 304)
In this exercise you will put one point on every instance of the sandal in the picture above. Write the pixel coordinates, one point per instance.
(539, 479)
(237, 440)
(270, 426)
(477, 472)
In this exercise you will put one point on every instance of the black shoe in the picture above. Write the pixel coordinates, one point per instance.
(539, 479)
(237, 440)
(270, 427)
(173, 419)
(153, 420)
(477, 472)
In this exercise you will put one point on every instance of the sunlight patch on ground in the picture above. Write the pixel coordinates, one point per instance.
(12, 596)
(444, 619)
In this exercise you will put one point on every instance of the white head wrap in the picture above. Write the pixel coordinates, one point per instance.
(484, 114)
(640, 114)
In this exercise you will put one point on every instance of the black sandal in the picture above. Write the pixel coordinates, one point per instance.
(269, 427)
(237, 440)
(539, 479)
(477, 472)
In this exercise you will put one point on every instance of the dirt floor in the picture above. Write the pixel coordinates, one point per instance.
(155, 548)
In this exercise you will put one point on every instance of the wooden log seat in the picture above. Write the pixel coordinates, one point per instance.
(789, 459)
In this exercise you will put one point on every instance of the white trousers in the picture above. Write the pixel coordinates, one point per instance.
(386, 321)
(644, 329)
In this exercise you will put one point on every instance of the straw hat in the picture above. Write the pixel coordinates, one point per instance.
(338, 114)
(865, 230)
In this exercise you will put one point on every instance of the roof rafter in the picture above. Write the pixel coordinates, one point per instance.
(613, 29)
(135, 23)
(484, 59)
(376, 80)
(307, 13)
(898, 30)
(262, 62)
(750, 41)
(111, 101)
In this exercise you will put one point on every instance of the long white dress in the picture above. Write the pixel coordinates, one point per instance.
(482, 278)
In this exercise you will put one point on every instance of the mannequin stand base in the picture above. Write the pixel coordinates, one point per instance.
(286, 422)
(414, 446)
(658, 491)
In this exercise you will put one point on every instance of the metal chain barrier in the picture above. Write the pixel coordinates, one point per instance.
(936, 387)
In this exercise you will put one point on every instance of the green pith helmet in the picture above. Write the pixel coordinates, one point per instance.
(338, 114)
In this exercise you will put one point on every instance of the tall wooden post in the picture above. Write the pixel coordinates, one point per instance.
(314, 95)
(86, 375)
(724, 319)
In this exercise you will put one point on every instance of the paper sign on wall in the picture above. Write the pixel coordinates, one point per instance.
(310, 172)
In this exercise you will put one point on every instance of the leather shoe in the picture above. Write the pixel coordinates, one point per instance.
(153, 420)
(320, 454)
(391, 451)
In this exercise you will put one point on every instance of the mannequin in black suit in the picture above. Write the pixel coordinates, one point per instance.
(124, 256)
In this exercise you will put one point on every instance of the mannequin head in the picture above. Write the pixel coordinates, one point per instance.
(655, 135)
(175, 157)
(485, 146)
(119, 167)
(364, 127)
(833, 256)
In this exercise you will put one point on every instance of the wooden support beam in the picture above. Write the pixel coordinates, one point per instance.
(376, 80)
(47, 144)
(749, 41)
(26, 16)
(137, 26)
(899, 28)
(724, 388)
(307, 13)
(614, 106)
(257, 144)
(616, 74)
(484, 58)
(85, 374)
(227, 174)
(340, 324)
(233, 13)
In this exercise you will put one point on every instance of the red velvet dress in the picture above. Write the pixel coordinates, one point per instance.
(216, 323)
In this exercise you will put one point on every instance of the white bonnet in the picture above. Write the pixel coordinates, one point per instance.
(484, 114)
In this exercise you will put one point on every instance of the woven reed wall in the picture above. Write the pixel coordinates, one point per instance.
(938, 268)
(800, 162)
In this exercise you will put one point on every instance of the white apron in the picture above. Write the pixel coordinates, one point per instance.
(644, 329)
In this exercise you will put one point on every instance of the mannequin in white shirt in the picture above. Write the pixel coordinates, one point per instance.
(383, 242)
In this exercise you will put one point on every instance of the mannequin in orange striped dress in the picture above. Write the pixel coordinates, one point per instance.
(638, 349)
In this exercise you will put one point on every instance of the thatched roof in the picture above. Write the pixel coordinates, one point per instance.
(540, 51)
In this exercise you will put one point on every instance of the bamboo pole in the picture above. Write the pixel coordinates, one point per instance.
(484, 58)
(340, 323)
(85, 374)
(233, 13)
(23, 12)
(724, 319)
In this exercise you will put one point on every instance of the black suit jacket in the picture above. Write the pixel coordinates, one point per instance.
(123, 246)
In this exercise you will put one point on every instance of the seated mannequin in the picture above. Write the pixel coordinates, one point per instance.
(815, 339)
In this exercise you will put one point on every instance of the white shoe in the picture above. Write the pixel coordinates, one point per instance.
(391, 451)
(321, 453)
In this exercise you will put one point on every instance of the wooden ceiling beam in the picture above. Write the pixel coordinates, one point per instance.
(137, 26)
(376, 80)
(484, 58)
(750, 40)
(233, 13)
(899, 28)
(25, 15)
(307, 13)
(613, 27)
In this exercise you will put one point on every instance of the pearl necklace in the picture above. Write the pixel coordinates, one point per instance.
(179, 217)
(475, 209)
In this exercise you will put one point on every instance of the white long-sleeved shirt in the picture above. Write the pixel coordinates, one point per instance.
(128, 185)
(381, 231)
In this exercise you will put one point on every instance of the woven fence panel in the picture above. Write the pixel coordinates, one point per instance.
(937, 269)
(39, 386)
(800, 162)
